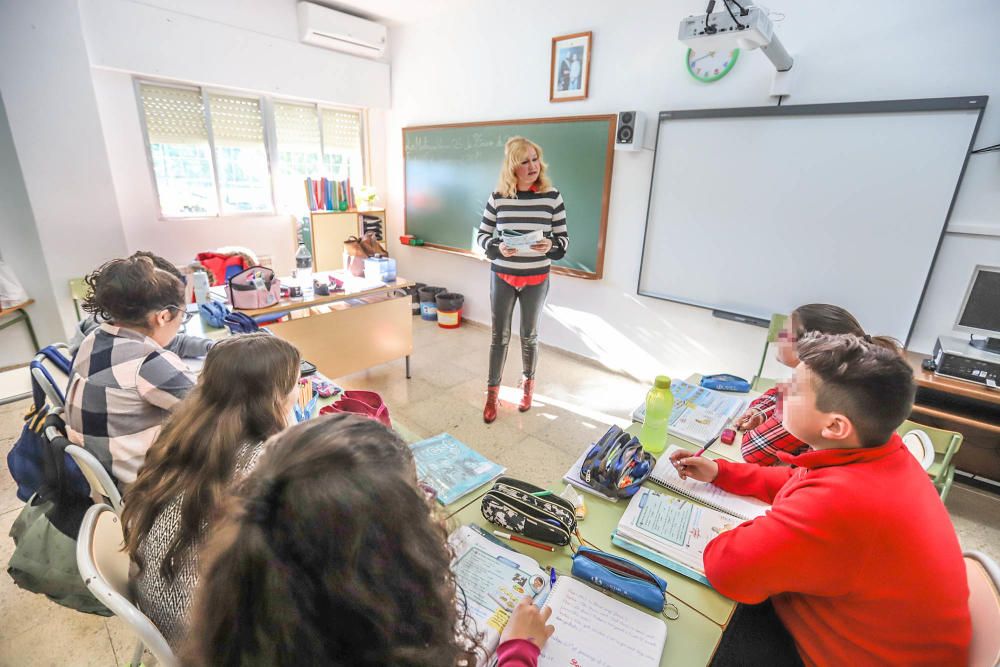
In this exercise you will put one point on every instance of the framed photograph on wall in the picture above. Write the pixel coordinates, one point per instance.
(570, 71)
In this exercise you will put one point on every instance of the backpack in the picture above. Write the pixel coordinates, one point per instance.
(26, 459)
(45, 532)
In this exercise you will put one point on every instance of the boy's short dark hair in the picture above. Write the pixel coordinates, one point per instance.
(866, 382)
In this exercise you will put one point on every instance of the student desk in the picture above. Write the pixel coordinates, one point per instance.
(19, 313)
(348, 331)
(691, 639)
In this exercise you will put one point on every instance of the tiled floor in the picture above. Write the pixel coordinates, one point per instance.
(575, 402)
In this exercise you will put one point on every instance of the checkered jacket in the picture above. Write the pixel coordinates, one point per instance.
(121, 389)
(762, 444)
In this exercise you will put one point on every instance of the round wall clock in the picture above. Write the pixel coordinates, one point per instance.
(712, 65)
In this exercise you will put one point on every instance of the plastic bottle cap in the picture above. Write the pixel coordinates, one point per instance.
(662, 382)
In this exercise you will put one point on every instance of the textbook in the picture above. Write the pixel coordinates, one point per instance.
(451, 468)
(706, 493)
(591, 627)
(699, 414)
(493, 578)
(671, 531)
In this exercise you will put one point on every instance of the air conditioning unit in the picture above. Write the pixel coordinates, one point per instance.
(330, 29)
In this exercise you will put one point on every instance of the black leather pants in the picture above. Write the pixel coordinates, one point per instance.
(502, 299)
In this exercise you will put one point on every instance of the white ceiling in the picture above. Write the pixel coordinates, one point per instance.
(392, 12)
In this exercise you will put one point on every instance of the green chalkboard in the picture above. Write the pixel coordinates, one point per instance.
(452, 169)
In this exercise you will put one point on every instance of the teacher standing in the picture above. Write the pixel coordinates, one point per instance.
(524, 202)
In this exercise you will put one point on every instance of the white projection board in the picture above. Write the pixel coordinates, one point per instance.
(755, 211)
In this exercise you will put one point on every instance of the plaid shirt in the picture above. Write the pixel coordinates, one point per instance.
(762, 444)
(122, 387)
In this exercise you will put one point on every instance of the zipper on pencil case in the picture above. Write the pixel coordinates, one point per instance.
(538, 509)
(533, 520)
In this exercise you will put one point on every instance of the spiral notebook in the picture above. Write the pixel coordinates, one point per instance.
(741, 507)
(592, 628)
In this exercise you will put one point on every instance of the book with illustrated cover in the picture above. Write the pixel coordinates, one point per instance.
(452, 468)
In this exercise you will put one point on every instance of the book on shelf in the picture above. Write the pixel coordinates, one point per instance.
(452, 468)
(699, 414)
(591, 627)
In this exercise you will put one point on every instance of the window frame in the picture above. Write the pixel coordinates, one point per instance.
(269, 127)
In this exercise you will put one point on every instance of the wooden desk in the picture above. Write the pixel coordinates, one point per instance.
(691, 639)
(19, 313)
(348, 331)
(971, 409)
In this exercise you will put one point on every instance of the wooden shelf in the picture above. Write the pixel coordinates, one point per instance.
(929, 380)
(956, 418)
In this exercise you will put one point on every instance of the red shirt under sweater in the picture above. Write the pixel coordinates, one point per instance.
(857, 554)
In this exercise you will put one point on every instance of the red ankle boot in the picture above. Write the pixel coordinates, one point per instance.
(529, 389)
(492, 403)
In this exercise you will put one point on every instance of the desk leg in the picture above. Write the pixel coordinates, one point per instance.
(407, 367)
(31, 331)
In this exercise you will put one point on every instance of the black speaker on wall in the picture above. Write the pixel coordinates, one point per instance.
(628, 133)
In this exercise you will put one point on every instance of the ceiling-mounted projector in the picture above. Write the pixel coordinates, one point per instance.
(745, 28)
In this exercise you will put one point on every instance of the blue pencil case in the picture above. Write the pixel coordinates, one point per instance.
(620, 576)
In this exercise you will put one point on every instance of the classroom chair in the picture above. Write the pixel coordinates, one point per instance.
(78, 291)
(102, 488)
(104, 567)
(946, 445)
(50, 377)
(984, 608)
(777, 324)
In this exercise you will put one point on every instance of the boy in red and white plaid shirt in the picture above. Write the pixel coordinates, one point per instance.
(764, 436)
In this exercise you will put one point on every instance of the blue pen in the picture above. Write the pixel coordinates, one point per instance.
(552, 577)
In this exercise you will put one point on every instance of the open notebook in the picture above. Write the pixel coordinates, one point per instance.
(592, 628)
(671, 531)
(706, 493)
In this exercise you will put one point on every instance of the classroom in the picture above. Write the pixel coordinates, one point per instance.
(364, 332)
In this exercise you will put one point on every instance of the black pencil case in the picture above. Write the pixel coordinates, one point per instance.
(516, 507)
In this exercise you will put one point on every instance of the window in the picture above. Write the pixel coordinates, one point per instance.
(216, 153)
(240, 155)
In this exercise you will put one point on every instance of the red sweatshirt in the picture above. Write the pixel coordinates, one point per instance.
(517, 653)
(857, 554)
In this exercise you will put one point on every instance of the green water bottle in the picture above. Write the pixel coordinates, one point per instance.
(659, 403)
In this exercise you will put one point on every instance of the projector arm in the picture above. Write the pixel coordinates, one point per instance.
(776, 53)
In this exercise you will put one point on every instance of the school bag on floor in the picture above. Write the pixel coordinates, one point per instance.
(46, 530)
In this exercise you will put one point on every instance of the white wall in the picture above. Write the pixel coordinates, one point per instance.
(494, 63)
(22, 251)
(52, 111)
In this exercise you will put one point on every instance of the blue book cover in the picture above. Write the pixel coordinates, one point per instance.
(451, 468)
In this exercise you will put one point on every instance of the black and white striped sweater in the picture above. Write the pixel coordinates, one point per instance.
(527, 212)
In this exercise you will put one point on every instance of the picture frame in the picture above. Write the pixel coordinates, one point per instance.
(569, 72)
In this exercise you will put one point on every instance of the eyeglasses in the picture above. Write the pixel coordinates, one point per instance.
(185, 314)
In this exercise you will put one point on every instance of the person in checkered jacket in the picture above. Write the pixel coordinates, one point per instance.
(765, 438)
(124, 382)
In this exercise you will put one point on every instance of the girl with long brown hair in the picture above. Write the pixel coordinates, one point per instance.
(330, 554)
(765, 436)
(243, 397)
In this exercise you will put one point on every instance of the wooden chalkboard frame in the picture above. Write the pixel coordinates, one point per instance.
(605, 196)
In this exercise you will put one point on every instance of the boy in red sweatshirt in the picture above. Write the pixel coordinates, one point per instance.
(857, 555)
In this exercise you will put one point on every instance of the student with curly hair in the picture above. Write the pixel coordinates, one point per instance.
(124, 381)
(331, 555)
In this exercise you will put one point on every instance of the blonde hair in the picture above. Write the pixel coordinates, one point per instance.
(514, 151)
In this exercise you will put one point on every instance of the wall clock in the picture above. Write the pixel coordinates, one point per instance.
(709, 66)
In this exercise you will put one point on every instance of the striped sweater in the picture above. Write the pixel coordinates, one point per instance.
(527, 212)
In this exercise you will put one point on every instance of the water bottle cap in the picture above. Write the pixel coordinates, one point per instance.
(662, 382)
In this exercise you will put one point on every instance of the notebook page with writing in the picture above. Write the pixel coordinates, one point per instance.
(594, 629)
(743, 507)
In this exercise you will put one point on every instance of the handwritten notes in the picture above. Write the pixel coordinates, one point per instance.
(595, 630)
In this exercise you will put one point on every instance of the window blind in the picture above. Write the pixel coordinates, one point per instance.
(341, 131)
(173, 115)
(236, 121)
(296, 127)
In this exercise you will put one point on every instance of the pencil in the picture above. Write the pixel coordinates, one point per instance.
(523, 540)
